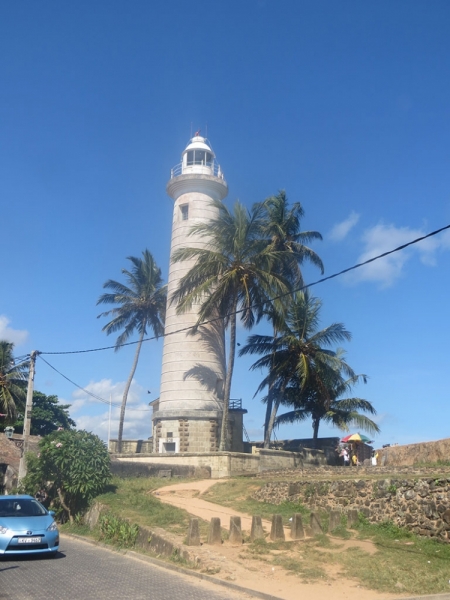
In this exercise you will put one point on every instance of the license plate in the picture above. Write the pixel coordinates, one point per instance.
(29, 540)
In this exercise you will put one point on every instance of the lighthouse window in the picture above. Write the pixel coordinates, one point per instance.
(198, 157)
(184, 208)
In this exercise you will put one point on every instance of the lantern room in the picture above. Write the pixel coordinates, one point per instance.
(199, 158)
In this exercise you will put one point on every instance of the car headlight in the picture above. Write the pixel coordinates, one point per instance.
(52, 527)
(3, 529)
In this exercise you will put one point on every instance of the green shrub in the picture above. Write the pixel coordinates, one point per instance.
(118, 531)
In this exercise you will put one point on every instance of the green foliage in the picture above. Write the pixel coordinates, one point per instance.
(117, 530)
(73, 466)
(13, 382)
(47, 415)
(305, 374)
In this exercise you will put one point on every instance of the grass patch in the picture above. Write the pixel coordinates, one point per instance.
(404, 561)
(341, 531)
(438, 463)
(133, 500)
(76, 529)
(237, 494)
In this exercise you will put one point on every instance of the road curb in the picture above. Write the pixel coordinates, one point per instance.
(228, 584)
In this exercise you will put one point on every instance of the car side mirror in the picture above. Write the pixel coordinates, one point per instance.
(51, 513)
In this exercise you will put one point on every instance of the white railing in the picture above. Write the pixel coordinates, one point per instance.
(208, 168)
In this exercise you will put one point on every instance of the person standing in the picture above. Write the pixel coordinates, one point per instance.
(346, 457)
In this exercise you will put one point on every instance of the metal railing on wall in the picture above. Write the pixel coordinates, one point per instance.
(180, 169)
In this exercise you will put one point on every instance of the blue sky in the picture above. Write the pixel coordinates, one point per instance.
(345, 105)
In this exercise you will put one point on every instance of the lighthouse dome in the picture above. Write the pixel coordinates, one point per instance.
(198, 158)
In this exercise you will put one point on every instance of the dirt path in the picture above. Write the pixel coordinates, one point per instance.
(258, 575)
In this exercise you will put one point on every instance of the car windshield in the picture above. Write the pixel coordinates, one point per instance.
(23, 507)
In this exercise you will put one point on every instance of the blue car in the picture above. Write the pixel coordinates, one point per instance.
(26, 527)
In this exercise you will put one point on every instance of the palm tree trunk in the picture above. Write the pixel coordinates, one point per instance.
(273, 414)
(316, 423)
(226, 397)
(125, 392)
(268, 414)
(267, 421)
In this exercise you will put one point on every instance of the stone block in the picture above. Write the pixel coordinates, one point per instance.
(352, 517)
(335, 520)
(165, 473)
(315, 524)
(215, 534)
(193, 537)
(257, 531)
(235, 536)
(297, 530)
(294, 488)
(277, 530)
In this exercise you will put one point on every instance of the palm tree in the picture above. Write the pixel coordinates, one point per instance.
(299, 359)
(13, 381)
(282, 229)
(232, 273)
(141, 306)
(321, 400)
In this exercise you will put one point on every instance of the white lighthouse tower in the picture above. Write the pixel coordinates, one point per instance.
(188, 415)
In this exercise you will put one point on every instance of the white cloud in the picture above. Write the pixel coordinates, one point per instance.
(137, 424)
(383, 238)
(85, 409)
(341, 230)
(16, 336)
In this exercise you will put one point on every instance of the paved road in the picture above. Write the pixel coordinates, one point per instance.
(83, 571)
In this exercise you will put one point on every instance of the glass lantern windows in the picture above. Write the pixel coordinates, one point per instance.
(198, 157)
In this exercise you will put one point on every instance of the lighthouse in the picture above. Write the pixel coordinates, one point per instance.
(188, 414)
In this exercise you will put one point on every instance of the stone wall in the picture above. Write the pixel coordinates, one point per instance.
(216, 464)
(158, 469)
(221, 464)
(132, 446)
(9, 452)
(413, 454)
(420, 504)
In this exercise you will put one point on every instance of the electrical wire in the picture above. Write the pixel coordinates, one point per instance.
(95, 396)
(268, 301)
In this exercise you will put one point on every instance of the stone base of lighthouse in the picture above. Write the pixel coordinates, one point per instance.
(195, 431)
(186, 431)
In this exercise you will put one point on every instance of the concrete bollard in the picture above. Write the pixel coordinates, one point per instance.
(277, 530)
(257, 531)
(316, 526)
(193, 537)
(235, 536)
(215, 533)
(297, 531)
(352, 517)
(335, 520)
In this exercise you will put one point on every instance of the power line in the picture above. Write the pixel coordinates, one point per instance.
(95, 396)
(322, 280)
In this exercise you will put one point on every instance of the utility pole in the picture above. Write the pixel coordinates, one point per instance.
(27, 416)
